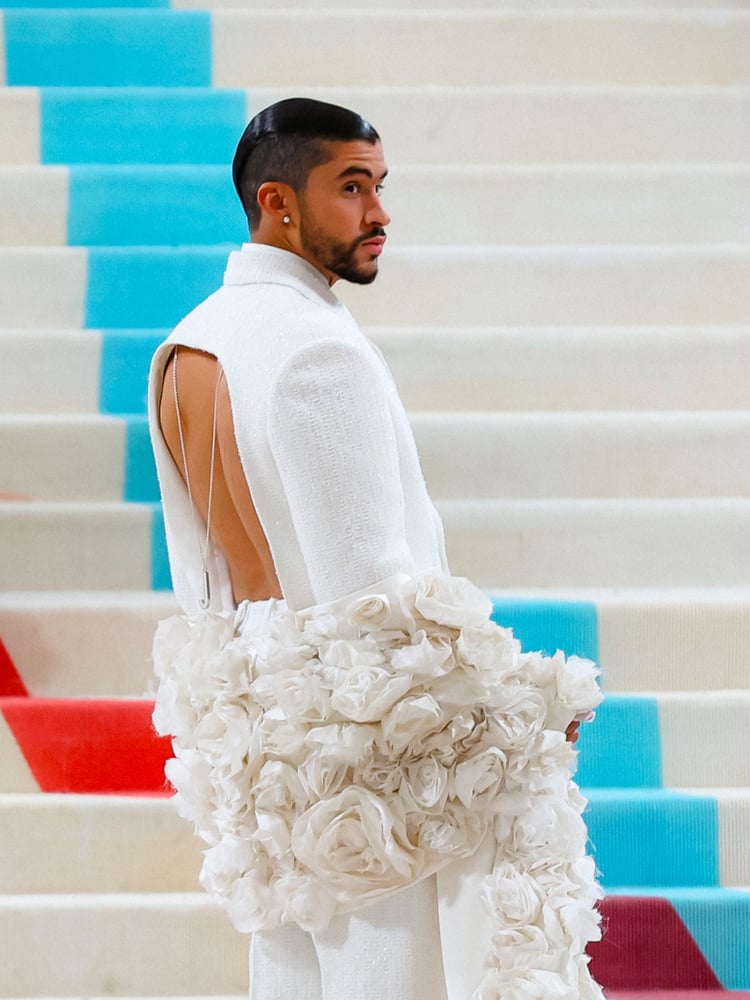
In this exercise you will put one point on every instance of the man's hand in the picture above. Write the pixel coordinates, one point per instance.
(571, 733)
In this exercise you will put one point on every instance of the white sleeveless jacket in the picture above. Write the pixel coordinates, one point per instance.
(324, 440)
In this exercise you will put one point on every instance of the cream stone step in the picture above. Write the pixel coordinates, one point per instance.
(464, 455)
(527, 204)
(479, 125)
(507, 47)
(455, 368)
(705, 740)
(42, 631)
(599, 543)
(569, 203)
(572, 285)
(49, 371)
(733, 818)
(510, 5)
(86, 945)
(95, 844)
(64, 458)
(650, 638)
(43, 287)
(663, 639)
(497, 543)
(563, 124)
(568, 368)
(51, 546)
(451, 286)
(34, 205)
(734, 821)
(588, 454)
(20, 115)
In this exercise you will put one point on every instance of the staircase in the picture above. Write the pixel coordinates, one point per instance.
(564, 303)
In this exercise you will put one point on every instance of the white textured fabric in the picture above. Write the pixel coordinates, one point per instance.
(325, 443)
(389, 950)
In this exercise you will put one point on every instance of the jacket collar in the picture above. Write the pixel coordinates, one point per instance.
(258, 263)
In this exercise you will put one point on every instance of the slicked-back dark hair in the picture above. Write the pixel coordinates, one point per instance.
(285, 141)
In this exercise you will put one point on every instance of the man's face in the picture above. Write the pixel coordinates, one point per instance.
(342, 219)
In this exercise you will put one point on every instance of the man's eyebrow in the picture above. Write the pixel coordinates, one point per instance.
(354, 171)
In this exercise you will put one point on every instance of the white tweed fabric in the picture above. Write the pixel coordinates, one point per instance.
(323, 437)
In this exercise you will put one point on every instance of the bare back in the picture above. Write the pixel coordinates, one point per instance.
(235, 525)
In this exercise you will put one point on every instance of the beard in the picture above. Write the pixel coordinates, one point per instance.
(338, 257)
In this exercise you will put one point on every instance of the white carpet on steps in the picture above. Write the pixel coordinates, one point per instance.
(456, 368)
(462, 285)
(560, 285)
(651, 639)
(49, 371)
(734, 822)
(501, 124)
(507, 47)
(545, 124)
(42, 632)
(705, 739)
(443, 203)
(71, 457)
(95, 844)
(16, 776)
(33, 206)
(43, 287)
(604, 543)
(85, 945)
(565, 368)
(497, 543)
(589, 454)
(568, 203)
(20, 116)
(665, 638)
(464, 456)
(509, 5)
(64, 546)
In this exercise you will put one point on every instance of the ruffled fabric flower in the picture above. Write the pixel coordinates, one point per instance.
(333, 756)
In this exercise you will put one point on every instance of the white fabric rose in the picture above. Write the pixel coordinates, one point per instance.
(424, 786)
(379, 773)
(369, 613)
(354, 844)
(451, 601)
(481, 775)
(367, 693)
(410, 722)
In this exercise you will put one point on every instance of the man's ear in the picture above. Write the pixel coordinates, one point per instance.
(276, 200)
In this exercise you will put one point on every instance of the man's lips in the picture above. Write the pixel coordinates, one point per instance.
(374, 244)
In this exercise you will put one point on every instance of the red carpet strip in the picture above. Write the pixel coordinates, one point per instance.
(11, 684)
(103, 746)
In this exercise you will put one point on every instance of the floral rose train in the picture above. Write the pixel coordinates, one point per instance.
(334, 755)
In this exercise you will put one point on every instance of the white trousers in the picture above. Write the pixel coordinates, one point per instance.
(427, 942)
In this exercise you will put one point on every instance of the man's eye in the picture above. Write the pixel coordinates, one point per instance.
(379, 188)
(352, 188)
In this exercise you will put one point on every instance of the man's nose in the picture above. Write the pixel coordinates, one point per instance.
(377, 214)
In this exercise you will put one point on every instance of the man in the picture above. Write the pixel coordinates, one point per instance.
(348, 772)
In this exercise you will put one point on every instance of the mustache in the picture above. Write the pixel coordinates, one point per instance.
(375, 232)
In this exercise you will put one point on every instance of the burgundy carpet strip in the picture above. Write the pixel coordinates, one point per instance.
(679, 995)
(646, 946)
